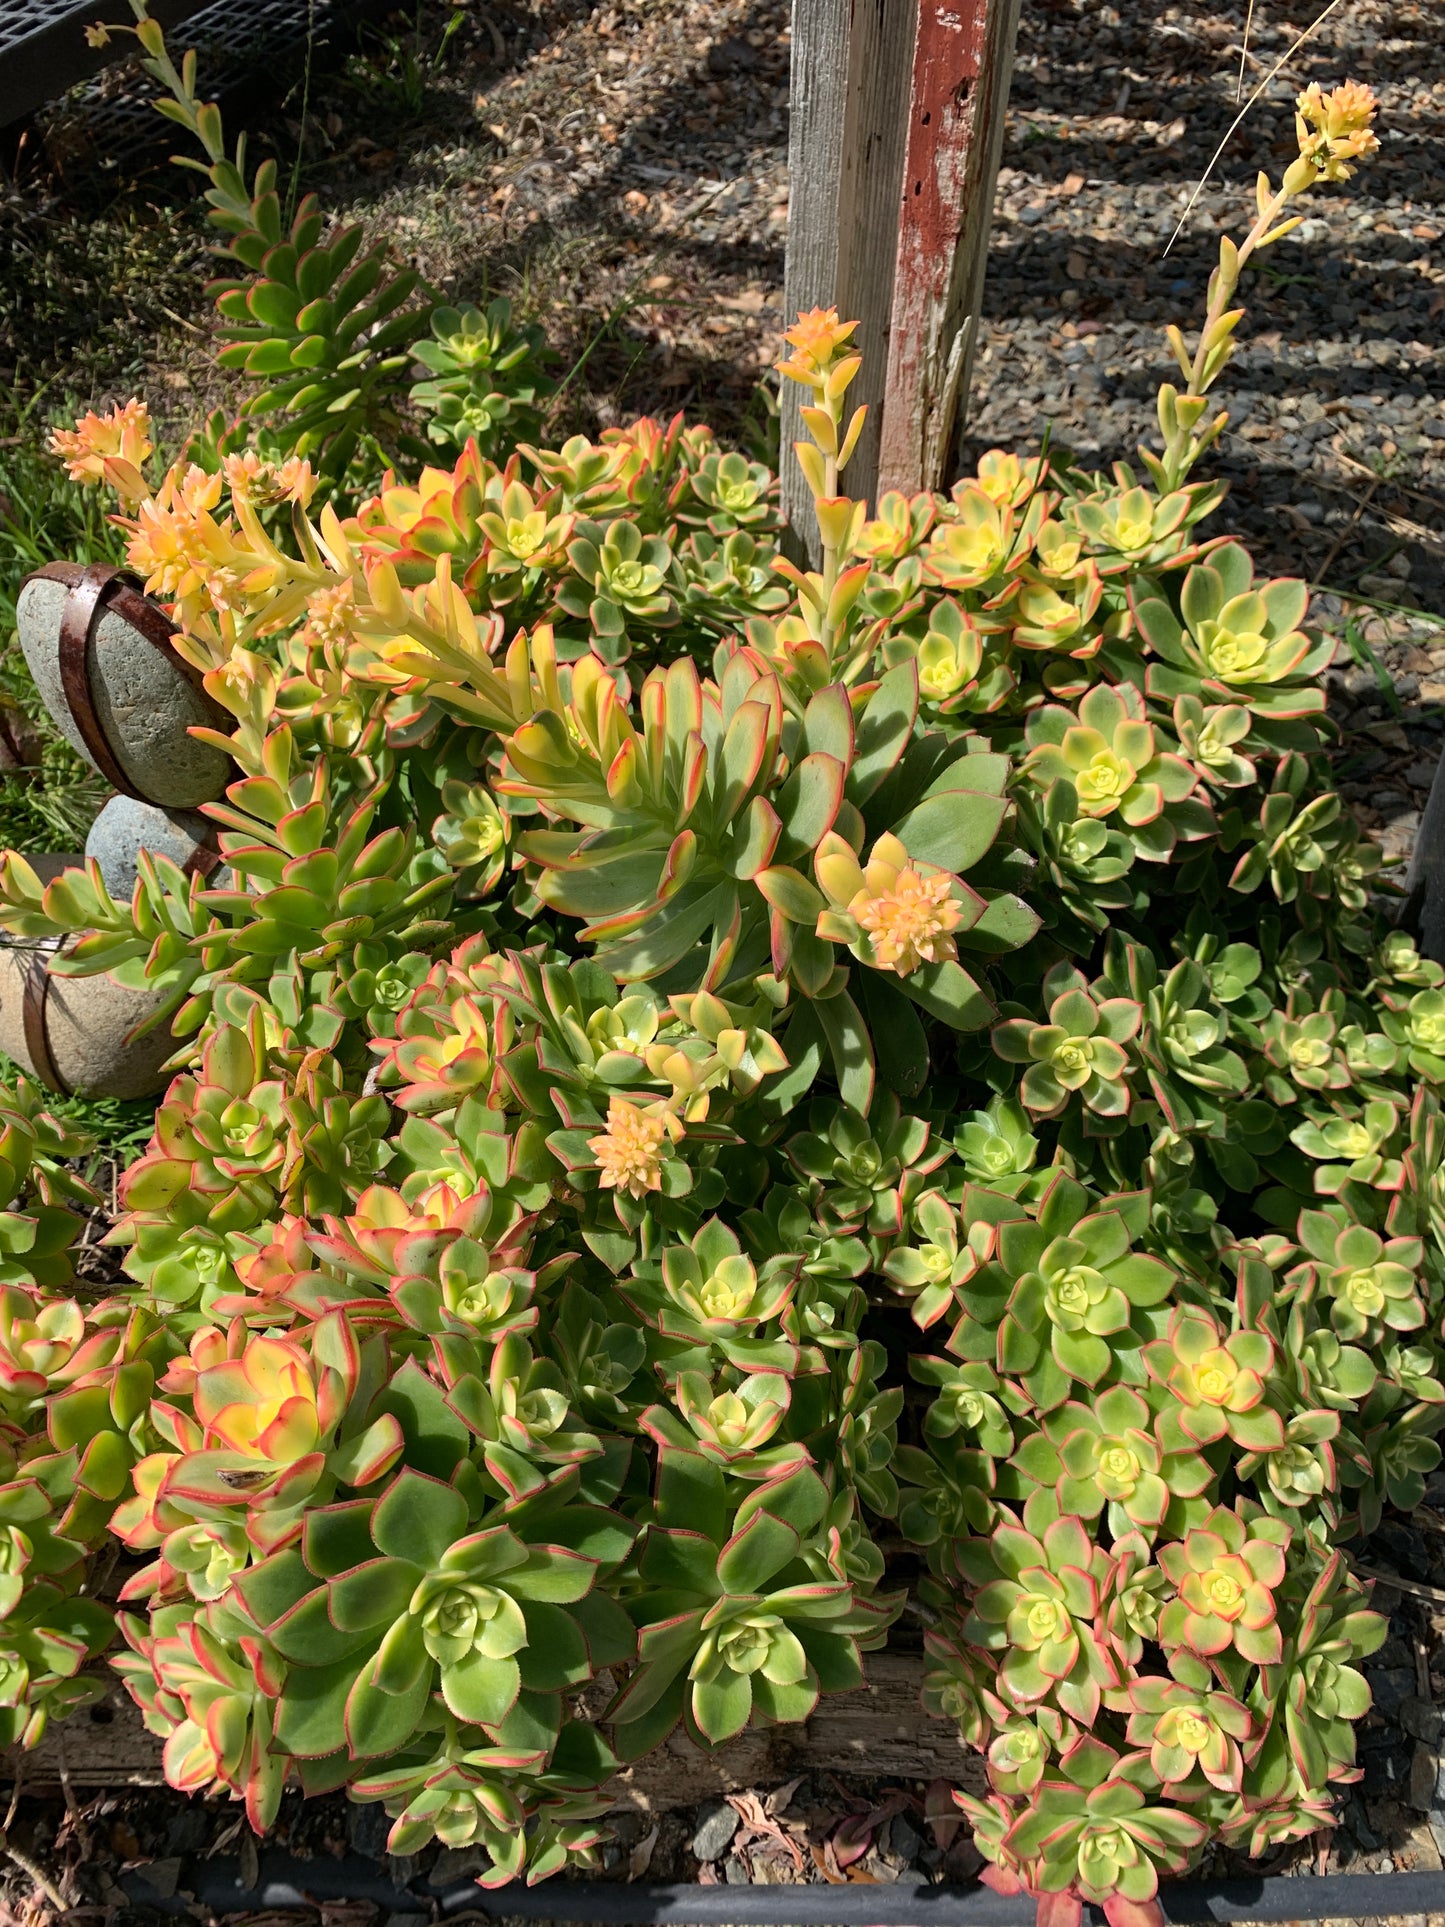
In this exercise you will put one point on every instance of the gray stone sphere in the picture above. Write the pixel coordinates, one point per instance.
(125, 827)
(87, 1020)
(144, 702)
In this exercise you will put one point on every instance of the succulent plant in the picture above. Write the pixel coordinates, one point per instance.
(651, 979)
(1225, 1572)
(1112, 757)
(1237, 641)
(1079, 1048)
(484, 377)
(746, 1624)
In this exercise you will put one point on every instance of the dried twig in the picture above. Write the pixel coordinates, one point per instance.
(1244, 51)
(1400, 524)
(1415, 1587)
(72, 1805)
(1347, 531)
(42, 1880)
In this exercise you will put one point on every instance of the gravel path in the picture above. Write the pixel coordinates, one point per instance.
(1336, 453)
(1341, 352)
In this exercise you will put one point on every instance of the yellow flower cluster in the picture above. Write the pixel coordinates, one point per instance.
(251, 478)
(183, 551)
(1335, 129)
(107, 448)
(816, 342)
(901, 915)
(910, 923)
(330, 621)
(630, 1151)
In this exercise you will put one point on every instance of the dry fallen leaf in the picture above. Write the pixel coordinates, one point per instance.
(224, 1838)
(781, 1798)
(760, 1824)
(828, 1866)
(640, 1859)
(941, 1813)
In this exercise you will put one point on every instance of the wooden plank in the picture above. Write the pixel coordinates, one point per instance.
(851, 66)
(880, 1730)
(962, 66)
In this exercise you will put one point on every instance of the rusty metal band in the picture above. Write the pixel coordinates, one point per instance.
(78, 618)
(92, 588)
(202, 861)
(34, 1014)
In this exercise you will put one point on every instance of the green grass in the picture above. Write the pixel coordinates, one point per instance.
(1367, 656)
(119, 1128)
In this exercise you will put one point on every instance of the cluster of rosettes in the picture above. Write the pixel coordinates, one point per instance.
(442, 1468)
(75, 1389)
(1103, 1775)
(1147, 1661)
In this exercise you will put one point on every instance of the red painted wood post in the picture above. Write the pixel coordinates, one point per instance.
(962, 66)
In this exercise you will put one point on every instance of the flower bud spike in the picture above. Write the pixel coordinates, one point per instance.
(822, 428)
(850, 440)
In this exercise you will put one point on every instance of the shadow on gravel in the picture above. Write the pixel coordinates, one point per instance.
(1116, 112)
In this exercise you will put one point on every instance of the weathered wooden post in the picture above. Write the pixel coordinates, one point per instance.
(1423, 911)
(897, 125)
(962, 66)
(851, 69)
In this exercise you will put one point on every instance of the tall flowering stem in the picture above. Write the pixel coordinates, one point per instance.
(823, 359)
(1333, 130)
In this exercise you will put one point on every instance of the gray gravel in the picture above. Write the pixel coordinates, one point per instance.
(1340, 356)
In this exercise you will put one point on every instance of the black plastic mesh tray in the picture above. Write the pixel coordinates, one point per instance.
(110, 120)
(43, 49)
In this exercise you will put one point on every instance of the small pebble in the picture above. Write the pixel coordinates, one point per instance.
(904, 1839)
(1422, 1777)
(717, 1823)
